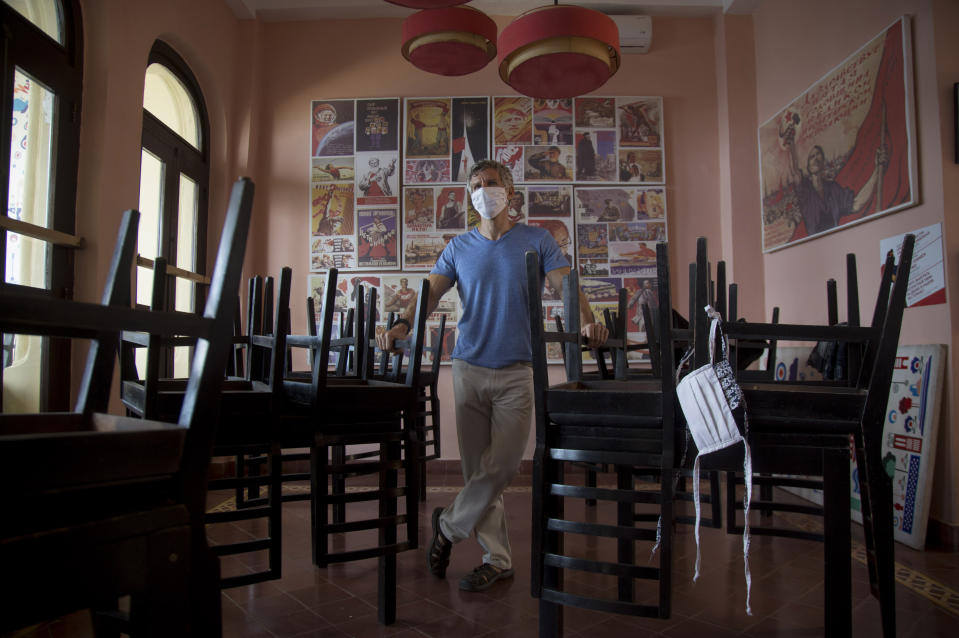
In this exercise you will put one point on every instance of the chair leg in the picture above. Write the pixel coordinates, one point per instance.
(240, 497)
(730, 502)
(550, 619)
(538, 521)
(838, 543)
(666, 543)
(625, 548)
(877, 515)
(591, 482)
(765, 494)
(415, 477)
(550, 613)
(421, 429)
(717, 506)
(339, 484)
(386, 567)
(276, 510)
(207, 613)
(422, 463)
(885, 556)
(319, 488)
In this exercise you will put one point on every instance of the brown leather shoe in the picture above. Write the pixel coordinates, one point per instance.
(483, 577)
(438, 556)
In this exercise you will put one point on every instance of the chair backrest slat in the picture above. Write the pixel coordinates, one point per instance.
(94, 394)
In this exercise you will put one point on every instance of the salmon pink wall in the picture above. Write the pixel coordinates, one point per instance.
(820, 34)
(738, 162)
(304, 61)
(118, 36)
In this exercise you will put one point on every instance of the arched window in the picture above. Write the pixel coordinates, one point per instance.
(174, 182)
(41, 48)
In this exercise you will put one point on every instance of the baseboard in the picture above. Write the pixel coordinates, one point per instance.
(942, 536)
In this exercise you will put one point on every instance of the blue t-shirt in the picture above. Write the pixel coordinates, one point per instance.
(494, 302)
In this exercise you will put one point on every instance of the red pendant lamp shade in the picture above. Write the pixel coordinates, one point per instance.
(427, 4)
(558, 51)
(450, 41)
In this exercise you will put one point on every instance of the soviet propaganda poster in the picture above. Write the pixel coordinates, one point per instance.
(845, 150)
(428, 127)
(332, 241)
(332, 126)
(470, 134)
(378, 125)
(444, 138)
(378, 238)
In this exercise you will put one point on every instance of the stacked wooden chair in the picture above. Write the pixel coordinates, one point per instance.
(802, 428)
(324, 411)
(116, 506)
(248, 427)
(622, 423)
(428, 399)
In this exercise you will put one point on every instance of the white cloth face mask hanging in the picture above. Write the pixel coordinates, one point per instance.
(708, 396)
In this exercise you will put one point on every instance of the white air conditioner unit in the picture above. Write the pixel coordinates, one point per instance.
(635, 33)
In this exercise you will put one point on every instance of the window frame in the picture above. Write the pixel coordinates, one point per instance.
(59, 67)
(179, 156)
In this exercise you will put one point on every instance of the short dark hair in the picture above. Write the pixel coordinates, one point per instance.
(505, 176)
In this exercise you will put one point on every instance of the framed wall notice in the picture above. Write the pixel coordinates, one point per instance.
(927, 278)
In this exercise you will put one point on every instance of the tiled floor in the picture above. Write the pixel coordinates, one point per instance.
(787, 598)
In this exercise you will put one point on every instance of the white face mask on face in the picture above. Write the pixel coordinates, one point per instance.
(489, 201)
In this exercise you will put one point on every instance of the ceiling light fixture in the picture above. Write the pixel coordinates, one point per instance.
(559, 51)
(427, 4)
(449, 41)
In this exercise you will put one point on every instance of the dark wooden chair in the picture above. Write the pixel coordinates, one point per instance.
(327, 411)
(682, 337)
(767, 504)
(116, 505)
(611, 363)
(801, 428)
(428, 428)
(623, 423)
(247, 430)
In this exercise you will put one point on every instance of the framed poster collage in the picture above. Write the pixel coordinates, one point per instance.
(388, 191)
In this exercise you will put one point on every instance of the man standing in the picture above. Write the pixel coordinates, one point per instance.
(492, 377)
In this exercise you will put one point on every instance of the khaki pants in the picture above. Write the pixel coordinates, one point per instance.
(493, 412)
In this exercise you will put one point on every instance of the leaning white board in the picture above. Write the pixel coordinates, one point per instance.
(909, 434)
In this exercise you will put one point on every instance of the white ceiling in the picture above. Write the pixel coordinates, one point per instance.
(281, 10)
